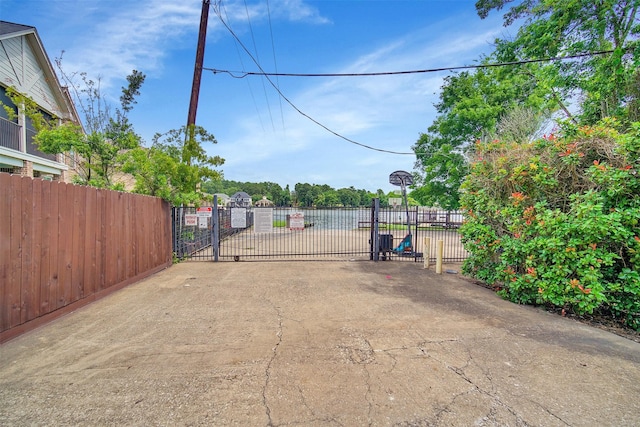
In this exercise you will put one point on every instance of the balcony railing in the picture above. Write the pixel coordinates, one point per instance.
(9, 134)
(10, 138)
(32, 148)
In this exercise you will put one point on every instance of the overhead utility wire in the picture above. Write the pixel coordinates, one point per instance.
(291, 103)
(257, 60)
(266, 75)
(428, 70)
(248, 84)
(275, 62)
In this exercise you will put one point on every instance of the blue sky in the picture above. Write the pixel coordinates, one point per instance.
(260, 136)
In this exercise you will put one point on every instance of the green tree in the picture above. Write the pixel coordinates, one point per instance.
(473, 104)
(470, 108)
(607, 84)
(349, 197)
(285, 197)
(327, 199)
(105, 134)
(175, 166)
(384, 198)
(365, 197)
(306, 194)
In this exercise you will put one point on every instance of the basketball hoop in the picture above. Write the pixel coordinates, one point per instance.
(403, 179)
(395, 202)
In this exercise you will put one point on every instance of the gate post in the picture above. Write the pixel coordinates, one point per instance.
(215, 239)
(375, 230)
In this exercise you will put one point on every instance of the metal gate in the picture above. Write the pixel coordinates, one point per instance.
(283, 233)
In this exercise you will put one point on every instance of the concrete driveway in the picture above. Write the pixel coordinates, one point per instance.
(316, 344)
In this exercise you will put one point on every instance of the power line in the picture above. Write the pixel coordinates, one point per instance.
(275, 62)
(266, 76)
(243, 74)
(257, 60)
(388, 73)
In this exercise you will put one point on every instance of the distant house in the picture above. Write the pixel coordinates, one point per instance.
(240, 200)
(25, 67)
(223, 199)
(264, 203)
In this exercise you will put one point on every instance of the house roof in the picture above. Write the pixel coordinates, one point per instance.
(241, 195)
(10, 30)
(13, 29)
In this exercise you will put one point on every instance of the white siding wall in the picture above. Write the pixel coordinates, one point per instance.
(11, 62)
(19, 68)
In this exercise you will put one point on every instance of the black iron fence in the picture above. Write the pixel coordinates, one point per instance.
(309, 233)
(427, 227)
(298, 233)
(193, 230)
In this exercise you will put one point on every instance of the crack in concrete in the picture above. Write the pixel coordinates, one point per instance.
(460, 371)
(359, 351)
(367, 395)
(274, 352)
(304, 401)
(475, 387)
(394, 359)
(549, 412)
(447, 407)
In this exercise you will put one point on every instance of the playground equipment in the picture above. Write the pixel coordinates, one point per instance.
(405, 248)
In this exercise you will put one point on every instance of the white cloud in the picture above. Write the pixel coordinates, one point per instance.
(140, 34)
(290, 10)
(109, 39)
(386, 112)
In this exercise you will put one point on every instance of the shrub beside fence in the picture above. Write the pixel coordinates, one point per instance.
(63, 246)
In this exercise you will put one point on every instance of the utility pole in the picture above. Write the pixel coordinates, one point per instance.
(197, 72)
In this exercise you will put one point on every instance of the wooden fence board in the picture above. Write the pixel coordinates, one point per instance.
(14, 283)
(62, 246)
(77, 242)
(111, 263)
(54, 254)
(30, 288)
(136, 243)
(5, 251)
(145, 255)
(163, 224)
(65, 244)
(89, 276)
(129, 237)
(45, 246)
(117, 239)
(34, 305)
(157, 231)
(101, 252)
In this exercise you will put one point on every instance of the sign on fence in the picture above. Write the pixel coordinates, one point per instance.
(238, 218)
(263, 220)
(296, 221)
(190, 220)
(205, 212)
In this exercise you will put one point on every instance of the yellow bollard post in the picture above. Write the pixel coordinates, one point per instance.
(427, 251)
(439, 252)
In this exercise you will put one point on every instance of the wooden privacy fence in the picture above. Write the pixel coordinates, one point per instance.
(63, 246)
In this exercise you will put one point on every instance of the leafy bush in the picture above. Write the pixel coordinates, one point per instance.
(555, 221)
